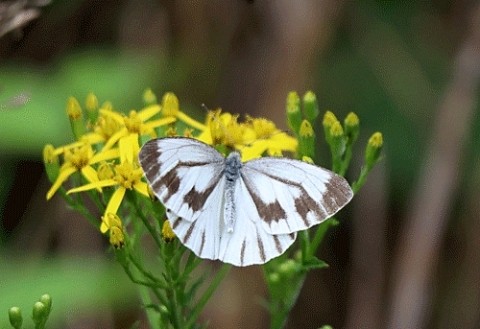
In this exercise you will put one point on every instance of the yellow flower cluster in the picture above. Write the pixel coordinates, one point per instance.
(108, 142)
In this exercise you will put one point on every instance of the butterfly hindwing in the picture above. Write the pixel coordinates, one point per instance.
(249, 243)
(292, 195)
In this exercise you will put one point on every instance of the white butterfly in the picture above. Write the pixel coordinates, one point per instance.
(240, 213)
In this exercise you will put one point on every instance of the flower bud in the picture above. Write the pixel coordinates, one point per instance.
(352, 127)
(170, 105)
(167, 233)
(294, 114)
(310, 106)
(306, 139)
(91, 105)
(15, 317)
(328, 120)
(149, 98)
(75, 115)
(50, 160)
(46, 300)
(40, 313)
(337, 139)
(373, 150)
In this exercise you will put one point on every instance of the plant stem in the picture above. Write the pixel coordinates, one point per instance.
(218, 278)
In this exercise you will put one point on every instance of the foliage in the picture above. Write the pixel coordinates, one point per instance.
(102, 162)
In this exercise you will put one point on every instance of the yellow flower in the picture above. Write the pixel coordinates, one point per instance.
(223, 129)
(114, 226)
(252, 139)
(267, 138)
(167, 233)
(80, 158)
(127, 176)
(135, 123)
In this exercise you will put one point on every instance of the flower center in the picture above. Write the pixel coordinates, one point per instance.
(133, 123)
(79, 157)
(106, 126)
(127, 175)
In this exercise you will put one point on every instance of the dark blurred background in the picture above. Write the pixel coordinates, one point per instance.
(406, 252)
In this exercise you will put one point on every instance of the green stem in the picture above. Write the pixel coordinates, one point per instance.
(218, 278)
(79, 207)
(320, 234)
(305, 244)
(147, 300)
(362, 179)
(155, 235)
(280, 315)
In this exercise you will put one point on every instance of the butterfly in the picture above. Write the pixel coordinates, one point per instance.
(239, 213)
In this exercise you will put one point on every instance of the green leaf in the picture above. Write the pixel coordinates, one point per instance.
(313, 263)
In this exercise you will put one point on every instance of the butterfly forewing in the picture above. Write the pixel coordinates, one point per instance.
(182, 173)
(292, 195)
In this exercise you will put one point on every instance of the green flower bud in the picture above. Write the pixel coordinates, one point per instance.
(50, 160)
(15, 317)
(306, 139)
(337, 142)
(328, 120)
(373, 150)
(149, 98)
(46, 300)
(91, 105)
(74, 112)
(170, 105)
(294, 114)
(352, 127)
(310, 106)
(40, 313)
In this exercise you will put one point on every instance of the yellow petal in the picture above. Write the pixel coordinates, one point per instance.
(127, 146)
(90, 174)
(112, 114)
(205, 136)
(65, 172)
(103, 227)
(190, 121)
(148, 112)
(105, 155)
(91, 186)
(142, 188)
(253, 151)
(115, 137)
(160, 122)
(93, 138)
(115, 200)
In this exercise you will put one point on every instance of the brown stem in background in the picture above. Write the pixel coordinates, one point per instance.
(368, 253)
(418, 247)
(461, 306)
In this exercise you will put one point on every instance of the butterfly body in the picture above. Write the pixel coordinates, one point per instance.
(233, 164)
(240, 213)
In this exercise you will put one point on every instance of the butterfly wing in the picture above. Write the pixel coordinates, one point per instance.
(209, 237)
(291, 195)
(249, 243)
(183, 173)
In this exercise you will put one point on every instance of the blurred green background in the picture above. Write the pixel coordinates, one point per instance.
(405, 254)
